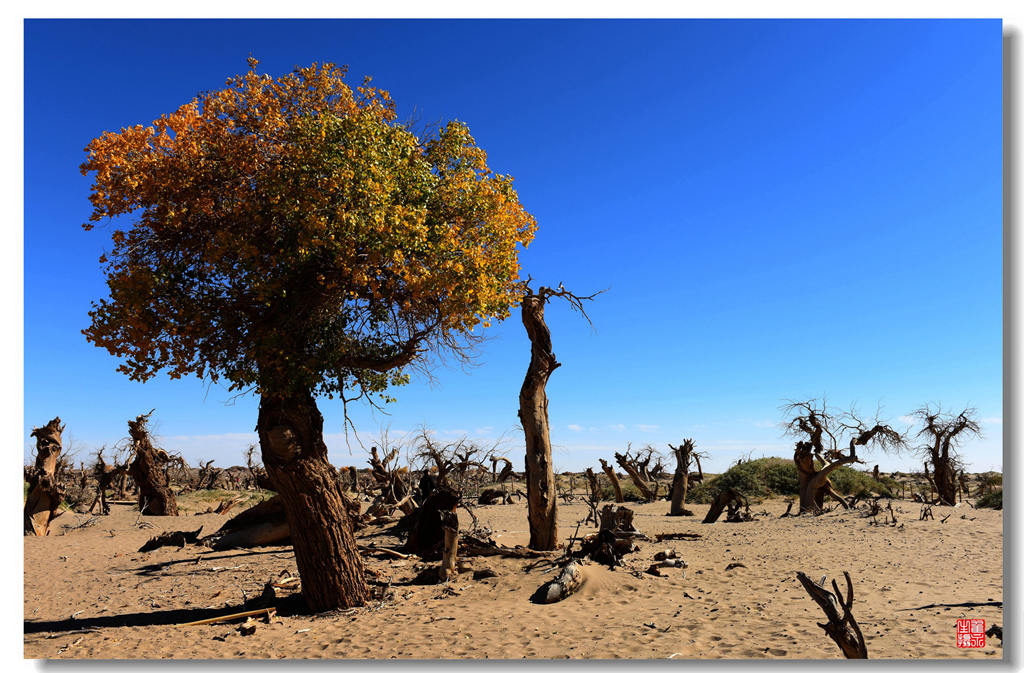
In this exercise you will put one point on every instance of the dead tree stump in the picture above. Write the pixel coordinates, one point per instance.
(681, 479)
(45, 492)
(450, 525)
(843, 630)
(734, 499)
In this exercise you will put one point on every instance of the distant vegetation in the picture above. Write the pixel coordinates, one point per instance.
(993, 500)
(766, 477)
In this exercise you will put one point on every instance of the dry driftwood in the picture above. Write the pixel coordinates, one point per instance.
(629, 464)
(567, 583)
(842, 629)
(614, 539)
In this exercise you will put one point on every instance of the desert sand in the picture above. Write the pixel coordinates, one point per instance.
(89, 594)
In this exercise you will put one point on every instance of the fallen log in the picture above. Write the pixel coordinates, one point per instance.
(734, 500)
(176, 538)
(567, 583)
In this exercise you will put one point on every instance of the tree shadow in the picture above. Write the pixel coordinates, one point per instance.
(154, 568)
(289, 606)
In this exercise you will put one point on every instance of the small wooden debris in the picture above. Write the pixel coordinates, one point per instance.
(248, 627)
(734, 565)
(567, 583)
(268, 612)
(661, 537)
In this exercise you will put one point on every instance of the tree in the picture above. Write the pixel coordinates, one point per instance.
(295, 240)
(943, 434)
(684, 454)
(825, 430)
(541, 492)
(148, 469)
(45, 492)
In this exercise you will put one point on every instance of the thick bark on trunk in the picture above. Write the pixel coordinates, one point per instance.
(681, 479)
(147, 469)
(541, 493)
(450, 525)
(612, 477)
(815, 484)
(290, 429)
(45, 493)
(945, 480)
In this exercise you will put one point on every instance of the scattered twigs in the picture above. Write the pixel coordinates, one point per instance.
(843, 630)
(676, 536)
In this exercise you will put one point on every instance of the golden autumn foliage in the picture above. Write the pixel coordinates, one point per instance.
(291, 234)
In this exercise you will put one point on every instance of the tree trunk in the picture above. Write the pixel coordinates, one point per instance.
(681, 479)
(290, 429)
(612, 477)
(450, 524)
(944, 479)
(147, 469)
(814, 483)
(541, 493)
(45, 493)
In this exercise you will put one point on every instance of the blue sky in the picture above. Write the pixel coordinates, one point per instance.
(780, 210)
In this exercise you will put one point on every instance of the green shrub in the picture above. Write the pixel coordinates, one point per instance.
(754, 478)
(767, 477)
(993, 500)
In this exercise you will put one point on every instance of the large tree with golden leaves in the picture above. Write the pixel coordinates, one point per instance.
(294, 239)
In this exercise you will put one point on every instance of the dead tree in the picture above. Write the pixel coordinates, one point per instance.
(632, 467)
(450, 526)
(207, 475)
(593, 496)
(614, 479)
(533, 414)
(506, 470)
(147, 469)
(842, 629)
(824, 430)
(105, 475)
(943, 434)
(45, 492)
(681, 480)
(260, 478)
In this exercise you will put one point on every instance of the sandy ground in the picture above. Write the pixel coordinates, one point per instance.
(89, 594)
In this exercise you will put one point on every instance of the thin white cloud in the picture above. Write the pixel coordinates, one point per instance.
(617, 426)
(765, 424)
(575, 428)
(992, 420)
(646, 428)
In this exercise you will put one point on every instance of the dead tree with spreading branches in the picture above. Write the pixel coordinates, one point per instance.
(105, 475)
(634, 468)
(943, 433)
(541, 490)
(819, 454)
(614, 479)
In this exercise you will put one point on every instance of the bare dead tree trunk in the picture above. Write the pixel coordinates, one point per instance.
(681, 479)
(541, 493)
(614, 479)
(450, 524)
(814, 483)
(290, 429)
(147, 469)
(45, 492)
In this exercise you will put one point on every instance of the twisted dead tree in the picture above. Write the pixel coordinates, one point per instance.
(614, 479)
(634, 468)
(943, 434)
(842, 629)
(45, 492)
(684, 454)
(541, 491)
(147, 469)
(257, 472)
(819, 455)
